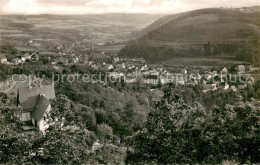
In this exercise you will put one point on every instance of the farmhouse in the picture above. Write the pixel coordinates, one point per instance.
(35, 102)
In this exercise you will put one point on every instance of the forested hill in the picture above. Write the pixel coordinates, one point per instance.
(205, 32)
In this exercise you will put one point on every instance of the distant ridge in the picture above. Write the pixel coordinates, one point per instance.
(224, 30)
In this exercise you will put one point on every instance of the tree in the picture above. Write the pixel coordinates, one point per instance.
(108, 154)
(104, 131)
(62, 144)
(14, 146)
(176, 133)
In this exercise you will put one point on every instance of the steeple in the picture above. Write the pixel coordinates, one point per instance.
(91, 52)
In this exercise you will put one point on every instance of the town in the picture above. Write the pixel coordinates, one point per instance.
(129, 88)
(34, 97)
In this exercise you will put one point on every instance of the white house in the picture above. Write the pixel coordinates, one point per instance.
(23, 59)
(224, 71)
(241, 68)
(35, 57)
(96, 145)
(226, 86)
(27, 56)
(234, 89)
(144, 68)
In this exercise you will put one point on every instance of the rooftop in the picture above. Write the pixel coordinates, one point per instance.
(28, 97)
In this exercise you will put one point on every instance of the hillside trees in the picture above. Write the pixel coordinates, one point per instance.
(177, 133)
(15, 147)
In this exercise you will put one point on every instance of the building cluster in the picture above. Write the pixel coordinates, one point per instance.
(24, 57)
(133, 71)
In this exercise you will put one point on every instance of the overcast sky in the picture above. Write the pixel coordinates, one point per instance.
(114, 6)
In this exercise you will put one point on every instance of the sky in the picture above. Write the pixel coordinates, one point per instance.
(115, 6)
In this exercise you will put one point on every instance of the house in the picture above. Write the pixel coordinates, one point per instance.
(234, 89)
(252, 68)
(120, 66)
(35, 103)
(35, 57)
(144, 68)
(166, 77)
(208, 77)
(179, 80)
(96, 145)
(241, 68)
(226, 86)
(115, 60)
(251, 80)
(109, 67)
(76, 60)
(17, 61)
(151, 77)
(3, 59)
(40, 112)
(130, 78)
(27, 56)
(224, 71)
(184, 71)
(23, 59)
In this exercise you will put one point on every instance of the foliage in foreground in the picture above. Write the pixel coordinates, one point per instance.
(177, 133)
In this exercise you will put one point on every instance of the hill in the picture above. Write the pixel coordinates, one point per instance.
(205, 32)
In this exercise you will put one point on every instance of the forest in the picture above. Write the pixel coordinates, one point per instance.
(133, 129)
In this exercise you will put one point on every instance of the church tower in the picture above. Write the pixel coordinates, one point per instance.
(91, 52)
